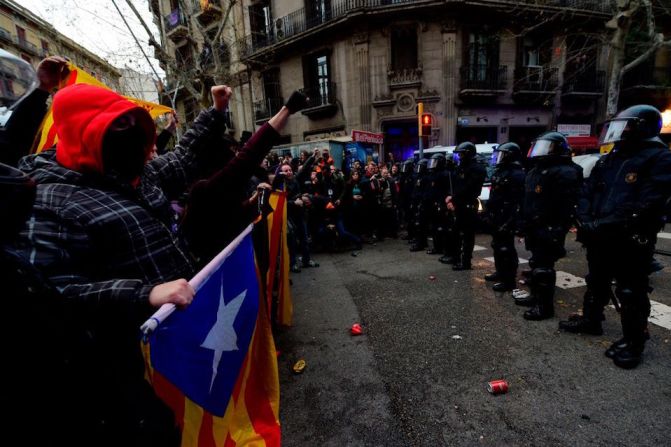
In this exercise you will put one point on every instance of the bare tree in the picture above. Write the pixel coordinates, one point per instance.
(630, 13)
(212, 65)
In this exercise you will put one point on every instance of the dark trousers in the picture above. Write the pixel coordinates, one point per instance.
(465, 221)
(628, 262)
(505, 255)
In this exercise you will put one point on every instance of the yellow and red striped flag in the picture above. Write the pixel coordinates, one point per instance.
(46, 135)
(214, 363)
(279, 259)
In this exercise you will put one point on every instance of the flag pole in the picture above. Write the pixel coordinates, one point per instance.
(196, 282)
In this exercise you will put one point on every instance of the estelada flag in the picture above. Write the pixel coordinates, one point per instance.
(279, 260)
(46, 135)
(215, 363)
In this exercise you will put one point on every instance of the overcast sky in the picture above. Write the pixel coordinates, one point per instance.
(97, 26)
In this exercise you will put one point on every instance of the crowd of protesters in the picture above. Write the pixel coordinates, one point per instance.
(109, 224)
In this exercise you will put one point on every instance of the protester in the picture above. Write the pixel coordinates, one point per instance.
(18, 135)
(100, 231)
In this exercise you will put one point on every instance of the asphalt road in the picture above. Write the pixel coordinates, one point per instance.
(418, 375)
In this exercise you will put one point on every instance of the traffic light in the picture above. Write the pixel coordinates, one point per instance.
(426, 124)
(420, 111)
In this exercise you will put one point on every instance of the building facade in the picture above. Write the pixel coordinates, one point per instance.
(24, 34)
(487, 70)
(190, 36)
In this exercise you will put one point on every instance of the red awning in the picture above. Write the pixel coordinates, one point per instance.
(583, 142)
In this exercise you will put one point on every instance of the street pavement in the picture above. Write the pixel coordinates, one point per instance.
(432, 340)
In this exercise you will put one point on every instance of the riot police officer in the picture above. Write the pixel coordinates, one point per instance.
(463, 202)
(619, 215)
(407, 182)
(419, 211)
(439, 189)
(551, 194)
(503, 208)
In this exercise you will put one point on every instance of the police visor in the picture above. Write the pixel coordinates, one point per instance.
(541, 148)
(433, 163)
(497, 157)
(615, 130)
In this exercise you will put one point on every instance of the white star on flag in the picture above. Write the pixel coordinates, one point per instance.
(222, 337)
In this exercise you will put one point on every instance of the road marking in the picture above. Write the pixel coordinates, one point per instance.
(567, 281)
(520, 260)
(664, 235)
(660, 314)
(479, 248)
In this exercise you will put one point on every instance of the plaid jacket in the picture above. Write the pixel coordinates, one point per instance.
(107, 245)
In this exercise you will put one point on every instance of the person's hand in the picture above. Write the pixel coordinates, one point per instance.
(172, 122)
(337, 202)
(298, 202)
(51, 71)
(265, 186)
(297, 102)
(221, 94)
(178, 292)
(315, 153)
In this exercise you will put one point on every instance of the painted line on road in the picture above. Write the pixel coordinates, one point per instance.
(520, 260)
(664, 235)
(660, 314)
(479, 248)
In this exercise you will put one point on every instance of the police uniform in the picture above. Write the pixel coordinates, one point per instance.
(503, 208)
(620, 214)
(550, 198)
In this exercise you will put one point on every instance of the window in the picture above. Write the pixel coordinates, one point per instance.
(317, 11)
(184, 56)
(403, 49)
(45, 47)
(535, 51)
(260, 20)
(317, 80)
(482, 54)
(272, 92)
(21, 33)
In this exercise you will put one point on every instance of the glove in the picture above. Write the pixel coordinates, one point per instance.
(297, 102)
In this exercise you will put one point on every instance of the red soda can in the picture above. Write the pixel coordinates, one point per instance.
(497, 387)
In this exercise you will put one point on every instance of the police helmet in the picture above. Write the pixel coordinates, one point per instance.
(550, 144)
(406, 166)
(436, 162)
(17, 194)
(15, 68)
(633, 125)
(464, 152)
(506, 153)
(420, 167)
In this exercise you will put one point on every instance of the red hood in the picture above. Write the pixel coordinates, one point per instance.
(82, 114)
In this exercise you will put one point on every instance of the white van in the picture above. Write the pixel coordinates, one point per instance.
(484, 153)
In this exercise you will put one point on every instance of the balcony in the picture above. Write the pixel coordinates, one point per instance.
(405, 78)
(535, 82)
(583, 84)
(647, 84)
(27, 46)
(265, 109)
(300, 21)
(5, 35)
(322, 101)
(207, 12)
(175, 26)
(483, 80)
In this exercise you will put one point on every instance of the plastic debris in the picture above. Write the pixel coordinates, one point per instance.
(432, 277)
(356, 329)
(299, 366)
(457, 337)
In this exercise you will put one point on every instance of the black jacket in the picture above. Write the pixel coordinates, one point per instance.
(467, 182)
(506, 196)
(626, 192)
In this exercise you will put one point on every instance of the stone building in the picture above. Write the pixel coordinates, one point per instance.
(24, 34)
(488, 70)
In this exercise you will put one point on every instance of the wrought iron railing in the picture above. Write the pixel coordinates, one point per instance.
(5, 35)
(647, 76)
(584, 82)
(266, 108)
(483, 77)
(321, 95)
(536, 79)
(301, 20)
(23, 43)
